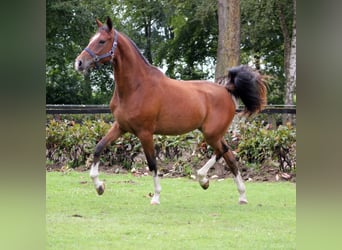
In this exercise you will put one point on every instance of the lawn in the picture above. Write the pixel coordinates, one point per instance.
(188, 217)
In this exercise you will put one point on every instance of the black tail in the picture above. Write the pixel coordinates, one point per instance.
(249, 86)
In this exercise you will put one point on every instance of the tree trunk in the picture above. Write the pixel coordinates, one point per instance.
(148, 35)
(86, 91)
(289, 58)
(228, 49)
(291, 82)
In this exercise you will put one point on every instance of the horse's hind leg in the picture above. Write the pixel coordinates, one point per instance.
(221, 149)
(233, 165)
(113, 134)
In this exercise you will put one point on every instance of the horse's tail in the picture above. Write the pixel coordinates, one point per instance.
(249, 86)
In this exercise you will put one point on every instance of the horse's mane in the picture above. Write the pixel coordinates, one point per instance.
(137, 49)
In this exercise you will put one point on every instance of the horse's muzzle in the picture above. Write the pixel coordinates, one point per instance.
(78, 65)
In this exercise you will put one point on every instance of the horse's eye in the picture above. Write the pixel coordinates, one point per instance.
(102, 41)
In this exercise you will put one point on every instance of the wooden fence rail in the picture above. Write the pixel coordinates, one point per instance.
(103, 109)
(76, 109)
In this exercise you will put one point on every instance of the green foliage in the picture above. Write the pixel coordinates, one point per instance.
(179, 36)
(173, 147)
(263, 43)
(260, 144)
(70, 24)
(191, 49)
(69, 143)
(183, 151)
(71, 140)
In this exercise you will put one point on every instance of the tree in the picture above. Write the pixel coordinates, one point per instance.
(180, 36)
(69, 26)
(289, 34)
(263, 43)
(189, 46)
(143, 21)
(228, 49)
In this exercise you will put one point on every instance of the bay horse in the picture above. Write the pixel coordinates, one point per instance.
(146, 102)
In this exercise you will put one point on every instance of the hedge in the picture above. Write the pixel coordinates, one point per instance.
(71, 142)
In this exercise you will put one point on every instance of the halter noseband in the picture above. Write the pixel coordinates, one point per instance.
(110, 53)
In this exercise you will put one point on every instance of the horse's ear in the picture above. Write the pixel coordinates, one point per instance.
(109, 23)
(99, 24)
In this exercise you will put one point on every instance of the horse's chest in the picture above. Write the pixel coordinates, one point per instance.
(117, 108)
(126, 118)
(130, 114)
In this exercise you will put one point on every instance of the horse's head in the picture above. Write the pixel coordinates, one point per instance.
(100, 49)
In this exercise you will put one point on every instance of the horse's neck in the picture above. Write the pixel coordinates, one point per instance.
(129, 68)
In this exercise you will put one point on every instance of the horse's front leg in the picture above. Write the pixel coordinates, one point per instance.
(114, 133)
(146, 140)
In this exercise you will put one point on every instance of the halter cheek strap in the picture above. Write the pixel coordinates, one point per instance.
(97, 58)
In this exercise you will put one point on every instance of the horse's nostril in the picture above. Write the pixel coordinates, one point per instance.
(79, 63)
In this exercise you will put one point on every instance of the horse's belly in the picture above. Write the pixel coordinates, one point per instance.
(174, 130)
(175, 124)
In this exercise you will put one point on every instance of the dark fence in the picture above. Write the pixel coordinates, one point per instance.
(103, 109)
(76, 109)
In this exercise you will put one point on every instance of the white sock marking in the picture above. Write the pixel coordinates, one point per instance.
(94, 174)
(204, 170)
(157, 190)
(241, 188)
(202, 173)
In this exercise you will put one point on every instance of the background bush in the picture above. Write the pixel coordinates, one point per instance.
(258, 143)
(70, 141)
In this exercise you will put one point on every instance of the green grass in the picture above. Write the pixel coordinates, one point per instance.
(188, 217)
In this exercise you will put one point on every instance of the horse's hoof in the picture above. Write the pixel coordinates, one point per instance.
(100, 189)
(204, 183)
(242, 202)
(155, 203)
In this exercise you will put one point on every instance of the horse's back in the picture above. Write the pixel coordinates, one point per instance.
(189, 105)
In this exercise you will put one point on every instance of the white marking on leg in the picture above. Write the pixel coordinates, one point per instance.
(241, 188)
(204, 170)
(94, 174)
(202, 173)
(157, 190)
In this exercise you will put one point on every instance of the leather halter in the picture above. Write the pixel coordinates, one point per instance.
(97, 58)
